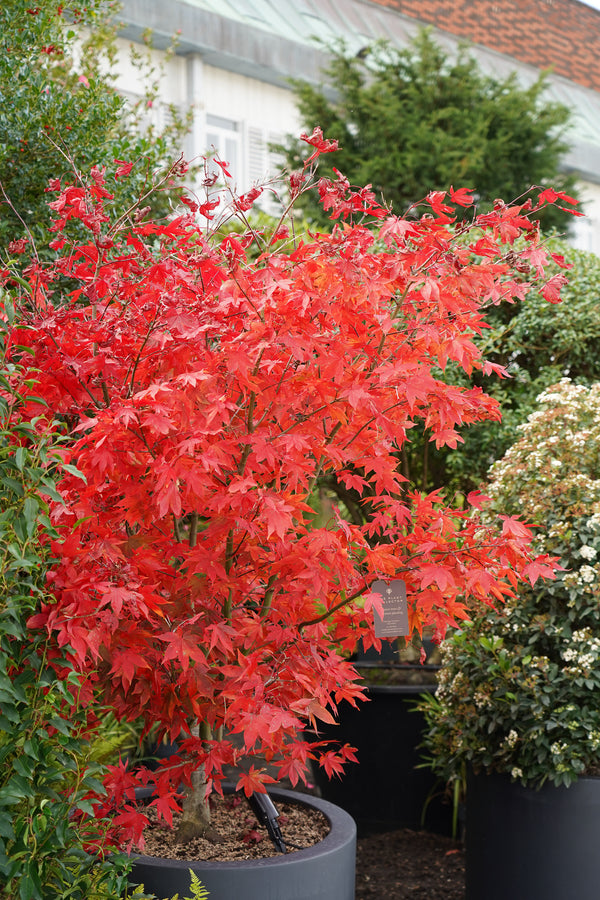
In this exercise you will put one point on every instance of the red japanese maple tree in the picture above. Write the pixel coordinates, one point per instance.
(209, 380)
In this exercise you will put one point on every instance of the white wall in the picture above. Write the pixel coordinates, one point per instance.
(234, 115)
(250, 113)
(585, 230)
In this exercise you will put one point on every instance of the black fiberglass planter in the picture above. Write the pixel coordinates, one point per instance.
(527, 844)
(325, 871)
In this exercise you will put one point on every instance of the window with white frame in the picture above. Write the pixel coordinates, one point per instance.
(264, 166)
(223, 139)
(247, 151)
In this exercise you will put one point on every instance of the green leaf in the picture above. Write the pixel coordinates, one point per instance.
(30, 885)
(6, 829)
(21, 457)
(73, 470)
(24, 766)
(85, 806)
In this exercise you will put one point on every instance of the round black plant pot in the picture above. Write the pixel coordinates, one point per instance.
(386, 790)
(325, 871)
(524, 844)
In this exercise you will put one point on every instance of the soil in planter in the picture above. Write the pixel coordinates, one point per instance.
(241, 836)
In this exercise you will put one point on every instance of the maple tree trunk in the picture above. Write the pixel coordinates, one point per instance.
(195, 819)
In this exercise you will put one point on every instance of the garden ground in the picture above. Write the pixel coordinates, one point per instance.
(409, 865)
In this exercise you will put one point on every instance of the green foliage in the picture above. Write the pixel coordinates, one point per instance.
(415, 120)
(519, 688)
(538, 343)
(198, 890)
(60, 111)
(115, 739)
(45, 774)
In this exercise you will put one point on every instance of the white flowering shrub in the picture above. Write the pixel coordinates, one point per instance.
(519, 689)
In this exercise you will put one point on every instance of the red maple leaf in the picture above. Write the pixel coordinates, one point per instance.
(254, 781)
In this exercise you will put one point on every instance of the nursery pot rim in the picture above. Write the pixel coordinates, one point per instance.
(364, 666)
(400, 688)
(341, 828)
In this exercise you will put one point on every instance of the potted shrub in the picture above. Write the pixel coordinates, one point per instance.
(208, 381)
(517, 709)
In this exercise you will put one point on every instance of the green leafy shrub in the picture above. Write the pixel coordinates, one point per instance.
(414, 120)
(65, 113)
(519, 688)
(538, 344)
(46, 839)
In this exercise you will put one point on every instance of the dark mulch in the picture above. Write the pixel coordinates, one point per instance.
(409, 865)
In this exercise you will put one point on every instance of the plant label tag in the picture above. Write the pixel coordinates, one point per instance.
(395, 611)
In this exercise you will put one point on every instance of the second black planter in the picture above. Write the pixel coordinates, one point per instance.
(526, 844)
(386, 790)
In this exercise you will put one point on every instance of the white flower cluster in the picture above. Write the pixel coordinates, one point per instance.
(581, 660)
(580, 440)
(566, 392)
(558, 748)
(539, 662)
(587, 574)
(583, 634)
(559, 393)
(550, 477)
(481, 699)
(582, 657)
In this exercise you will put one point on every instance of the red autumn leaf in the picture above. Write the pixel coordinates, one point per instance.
(513, 528)
(334, 761)
(551, 290)
(223, 166)
(252, 837)
(549, 195)
(254, 781)
(206, 209)
(123, 168)
(541, 568)
(373, 601)
(292, 769)
(462, 197)
(127, 665)
(166, 805)
(477, 499)
(278, 516)
(441, 576)
(320, 144)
